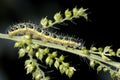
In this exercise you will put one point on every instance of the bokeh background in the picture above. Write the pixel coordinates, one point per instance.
(101, 29)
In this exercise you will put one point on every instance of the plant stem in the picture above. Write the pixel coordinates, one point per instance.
(60, 47)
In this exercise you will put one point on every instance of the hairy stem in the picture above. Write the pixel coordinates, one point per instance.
(71, 50)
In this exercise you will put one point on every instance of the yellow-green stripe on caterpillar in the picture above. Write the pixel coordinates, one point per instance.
(35, 32)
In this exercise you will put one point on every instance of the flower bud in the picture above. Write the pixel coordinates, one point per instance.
(92, 64)
(46, 50)
(57, 17)
(61, 68)
(56, 64)
(61, 58)
(44, 22)
(22, 52)
(30, 68)
(50, 22)
(68, 14)
(105, 69)
(99, 68)
(75, 10)
(70, 71)
(48, 60)
(54, 54)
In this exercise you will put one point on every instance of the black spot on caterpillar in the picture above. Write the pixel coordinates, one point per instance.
(37, 32)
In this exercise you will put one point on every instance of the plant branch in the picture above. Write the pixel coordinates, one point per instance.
(60, 47)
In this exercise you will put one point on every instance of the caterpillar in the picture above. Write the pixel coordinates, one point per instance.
(37, 32)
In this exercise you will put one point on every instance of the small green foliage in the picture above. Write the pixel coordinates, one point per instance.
(36, 46)
(46, 50)
(105, 58)
(112, 74)
(100, 49)
(92, 64)
(19, 44)
(30, 49)
(93, 49)
(37, 75)
(54, 54)
(118, 53)
(30, 68)
(68, 14)
(81, 12)
(61, 68)
(58, 17)
(75, 11)
(44, 22)
(85, 50)
(105, 69)
(99, 68)
(56, 64)
(61, 58)
(70, 71)
(39, 55)
(22, 52)
(49, 61)
(50, 22)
